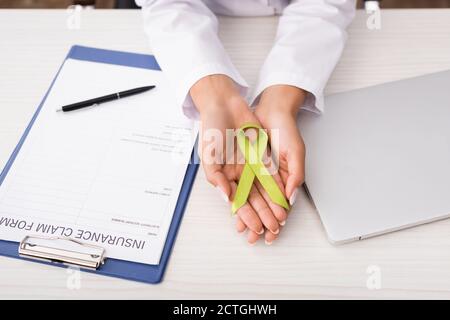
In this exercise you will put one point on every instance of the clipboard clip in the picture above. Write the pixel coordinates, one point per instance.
(63, 250)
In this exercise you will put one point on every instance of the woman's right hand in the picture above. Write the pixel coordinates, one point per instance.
(222, 108)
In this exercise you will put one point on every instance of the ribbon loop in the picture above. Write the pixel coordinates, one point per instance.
(254, 167)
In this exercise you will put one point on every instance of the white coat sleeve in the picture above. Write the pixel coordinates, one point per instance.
(184, 38)
(309, 42)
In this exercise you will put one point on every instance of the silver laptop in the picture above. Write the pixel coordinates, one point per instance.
(378, 159)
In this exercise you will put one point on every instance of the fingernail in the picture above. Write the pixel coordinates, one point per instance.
(242, 230)
(293, 197)
(261, 232)
(269, 243)
(276, 231)
(223, 194)
(282, 223)
(252, 244)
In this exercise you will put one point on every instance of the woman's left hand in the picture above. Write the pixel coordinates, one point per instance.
(277, 112)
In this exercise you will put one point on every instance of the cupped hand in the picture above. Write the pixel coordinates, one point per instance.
(222, 110)
(277, 112)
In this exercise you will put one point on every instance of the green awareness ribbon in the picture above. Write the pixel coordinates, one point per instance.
(254, 167)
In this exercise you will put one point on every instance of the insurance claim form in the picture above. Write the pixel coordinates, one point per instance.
(108, 175)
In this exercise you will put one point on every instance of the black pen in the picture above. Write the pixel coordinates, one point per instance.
(110, 97)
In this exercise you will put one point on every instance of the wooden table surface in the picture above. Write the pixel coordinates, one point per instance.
(210, 260)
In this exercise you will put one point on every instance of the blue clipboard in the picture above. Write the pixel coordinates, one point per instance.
(113, 267)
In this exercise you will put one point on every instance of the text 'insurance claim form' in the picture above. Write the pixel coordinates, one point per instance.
(108, 175)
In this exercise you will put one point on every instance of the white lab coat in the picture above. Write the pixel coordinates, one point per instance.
(309, 41)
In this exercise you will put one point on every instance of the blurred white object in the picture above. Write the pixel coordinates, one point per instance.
(371, 6)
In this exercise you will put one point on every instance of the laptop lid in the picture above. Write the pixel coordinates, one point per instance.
(378, 159)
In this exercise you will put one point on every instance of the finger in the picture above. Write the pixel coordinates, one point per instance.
(217, 178)
(248, 215)
(250, 218)
(240, 225)
(279, 181)
(263, 210)
(269, 237)
(252, 237)
(296, 173)
(292, 161)
(278, 211)
(283, 174)
(275, 170)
